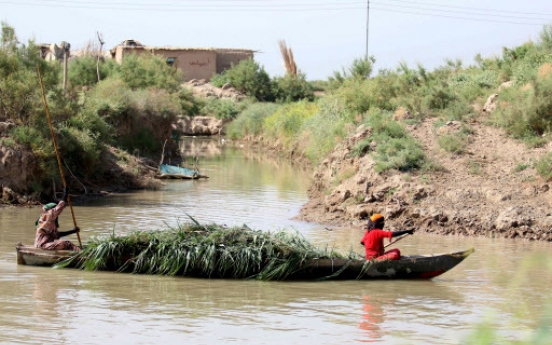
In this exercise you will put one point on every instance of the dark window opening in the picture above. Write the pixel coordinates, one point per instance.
(170, 61)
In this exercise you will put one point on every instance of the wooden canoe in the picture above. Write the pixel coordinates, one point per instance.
(29, 255)
(408, 267)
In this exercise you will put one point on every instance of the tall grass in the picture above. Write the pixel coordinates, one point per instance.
(250, 121)
(202, 250)
(286, 123)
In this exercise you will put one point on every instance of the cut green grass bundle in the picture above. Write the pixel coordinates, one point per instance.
(192, 249)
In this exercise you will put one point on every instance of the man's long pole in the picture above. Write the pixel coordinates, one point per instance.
(57, 152)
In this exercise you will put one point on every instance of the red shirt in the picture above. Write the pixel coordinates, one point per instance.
(373, 242)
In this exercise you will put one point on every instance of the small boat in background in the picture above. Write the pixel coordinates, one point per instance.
(174, 172)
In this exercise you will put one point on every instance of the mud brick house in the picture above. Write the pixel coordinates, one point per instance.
(53, 52)
(195, 63)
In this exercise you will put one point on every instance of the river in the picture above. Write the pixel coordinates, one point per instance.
(504, 285)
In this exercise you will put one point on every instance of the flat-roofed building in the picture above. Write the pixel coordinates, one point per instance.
(195, 63)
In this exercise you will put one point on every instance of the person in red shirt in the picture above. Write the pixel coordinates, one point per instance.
(373, 239)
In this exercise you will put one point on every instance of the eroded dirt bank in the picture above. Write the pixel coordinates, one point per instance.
(19, 168)
(492, 189)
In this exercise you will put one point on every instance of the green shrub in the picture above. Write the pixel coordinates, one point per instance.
(250, 121)
(360, 69)
(544, 166)
(139, 119)
(287, 121)
(188, 103)
(546, 38)
(526, 112)
(396, 149)
(33, 139)
(143, 71)
(221, 109)
(249, 78)
(290, 88)
(20, 93)
(439, 97)
(82, 71)
(459, 110)
(324, 130)
(452, 143)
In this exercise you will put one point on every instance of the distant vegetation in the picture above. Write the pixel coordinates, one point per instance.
(133, 105)
(251, 79)
(129, 110)
(451, 92)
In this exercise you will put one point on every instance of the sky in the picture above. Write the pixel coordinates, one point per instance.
(324, 35)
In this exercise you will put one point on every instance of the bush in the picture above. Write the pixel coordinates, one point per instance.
(290, 88)
(140, 119)
(395, 148)
(82, 71)
(221, 109)
(249, 78)
(360, 69)
(544, 166)
(526, 112)
(143, 71)
(287, 121)
(250, 121)
(325, 129)
(452, 143)
(20, 95)
(188, 103)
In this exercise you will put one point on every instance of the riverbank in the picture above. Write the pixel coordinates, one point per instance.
(490, 189)
(121, 172)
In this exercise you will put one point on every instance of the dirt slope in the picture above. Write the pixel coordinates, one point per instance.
(492, 189)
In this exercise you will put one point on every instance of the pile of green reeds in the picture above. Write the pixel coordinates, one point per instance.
(192, 249)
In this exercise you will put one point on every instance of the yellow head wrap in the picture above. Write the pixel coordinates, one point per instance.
(375, 217)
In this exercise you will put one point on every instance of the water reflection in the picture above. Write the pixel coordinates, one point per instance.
(372, 318)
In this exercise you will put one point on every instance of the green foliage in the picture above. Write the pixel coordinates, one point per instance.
(452, 143)
(439, 97)
(221, 109)
(188, 103)
(521, 167)
(144, 71)
(250, 121)
(320, 85)
(82, 71)
(546, 38)
(139, 119)
(287, 121)
(526, 112)
(20, 94)
(9, 39)
(249, 78)
(395, 148)
(34, 139)
(544, 166)
(360, 69)
(202, 250)
(326, 128)
(290, 88)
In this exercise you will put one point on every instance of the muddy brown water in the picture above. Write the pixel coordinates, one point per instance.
(504, 283)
